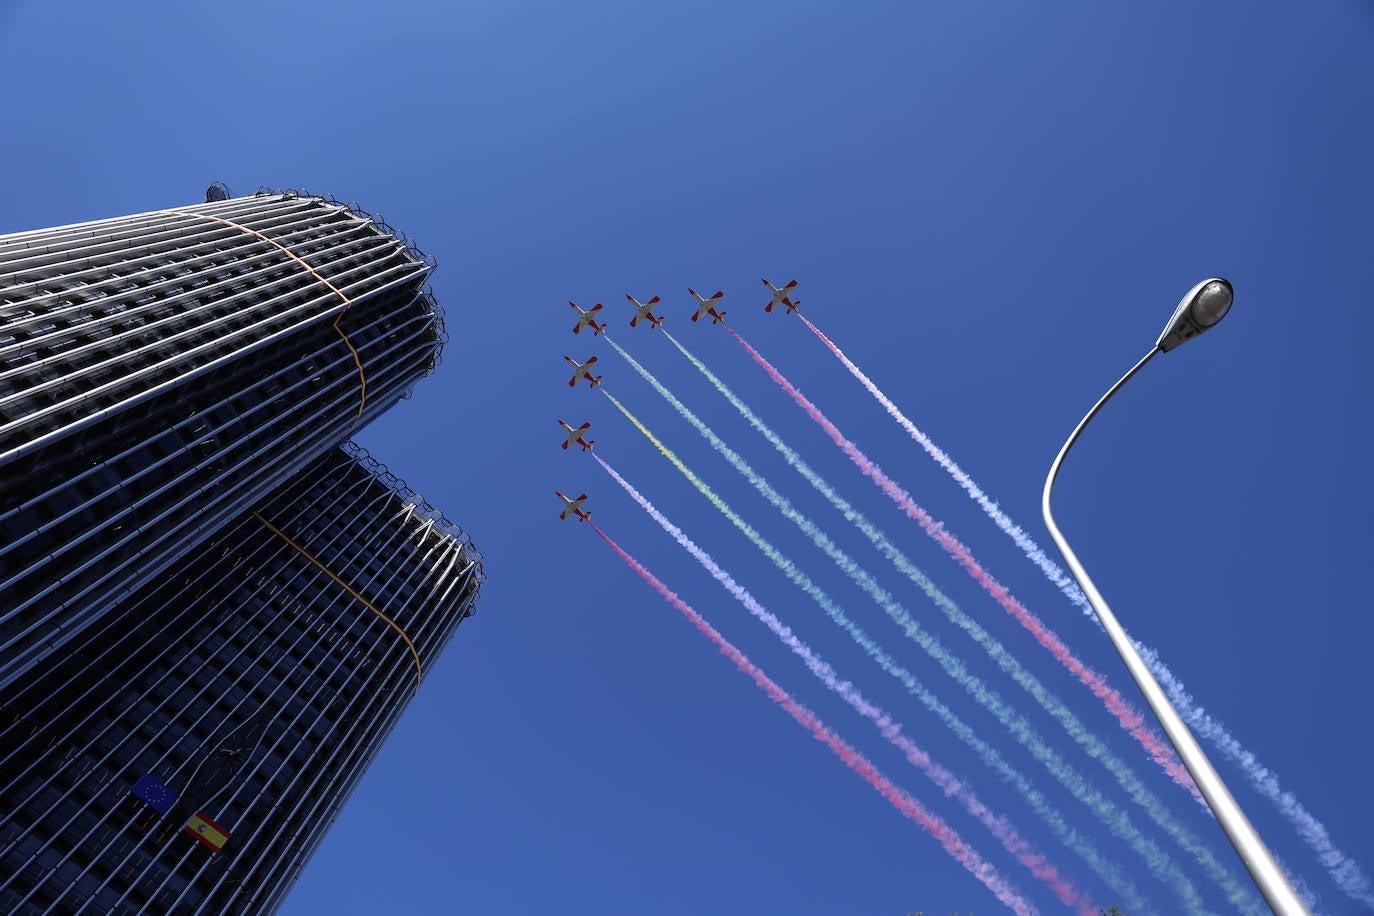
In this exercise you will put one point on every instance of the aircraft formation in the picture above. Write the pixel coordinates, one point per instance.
(1161, 867)
(587, 318)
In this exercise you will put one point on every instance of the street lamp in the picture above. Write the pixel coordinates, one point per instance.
(1204, 306)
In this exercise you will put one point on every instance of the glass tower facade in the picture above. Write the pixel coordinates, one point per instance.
(213, 605)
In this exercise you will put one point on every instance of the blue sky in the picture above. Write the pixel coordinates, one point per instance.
(993, 209)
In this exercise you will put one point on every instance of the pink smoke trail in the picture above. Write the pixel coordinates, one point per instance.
(1014, 843)
(1131, 720)
(956, 847)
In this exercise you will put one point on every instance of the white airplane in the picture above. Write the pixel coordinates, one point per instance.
(782, 297)
(588, 319)
(583, 370)
(708, 306)
(644, 311)
(575, 435)
(574, 506)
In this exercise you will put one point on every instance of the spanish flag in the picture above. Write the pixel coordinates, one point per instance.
(206, 832)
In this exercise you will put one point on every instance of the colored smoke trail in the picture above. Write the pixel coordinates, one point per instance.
(1074, 839)
(1131, 719)
(1011, 840)
(910, 807)
(1344, 870)
(1240, 895)
(1031, 549)
(1113, 817)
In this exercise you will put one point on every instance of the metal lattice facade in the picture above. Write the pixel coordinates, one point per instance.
(160, 372)
(313, 616)
(198, 585)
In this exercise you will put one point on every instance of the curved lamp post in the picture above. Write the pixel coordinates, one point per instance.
(1204, 306)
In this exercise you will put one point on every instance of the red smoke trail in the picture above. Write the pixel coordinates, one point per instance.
(954, 845)
(1131, 719)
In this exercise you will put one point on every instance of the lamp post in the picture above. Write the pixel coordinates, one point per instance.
(1204, 306)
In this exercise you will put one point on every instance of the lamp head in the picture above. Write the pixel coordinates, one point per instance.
(1204, 306)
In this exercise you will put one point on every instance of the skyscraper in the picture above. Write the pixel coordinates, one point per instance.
(211, 612)
(255, 682)
(160, 372)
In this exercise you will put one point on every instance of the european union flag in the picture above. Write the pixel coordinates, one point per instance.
(158, 796)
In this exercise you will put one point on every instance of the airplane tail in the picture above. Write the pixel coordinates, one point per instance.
(587, 447)
(595, 380)
(719, 317)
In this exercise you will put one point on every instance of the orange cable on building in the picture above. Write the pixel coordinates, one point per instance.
(348, 303)
(348, 588)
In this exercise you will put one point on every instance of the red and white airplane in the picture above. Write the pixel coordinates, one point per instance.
(782, 297)
(588, 319)
(645, 311)
(583, 370)
(575, 435)
(708, 306)
(574, 506)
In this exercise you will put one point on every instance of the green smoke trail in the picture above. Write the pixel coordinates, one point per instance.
(1116, 820)
(1238, 895)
